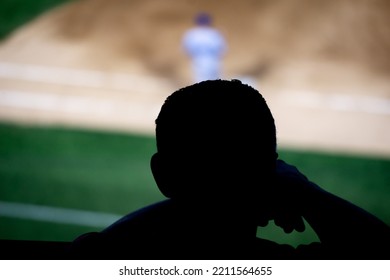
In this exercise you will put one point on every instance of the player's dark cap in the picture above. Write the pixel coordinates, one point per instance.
(203, 19)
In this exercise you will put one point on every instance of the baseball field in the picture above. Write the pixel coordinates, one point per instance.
(81, 83)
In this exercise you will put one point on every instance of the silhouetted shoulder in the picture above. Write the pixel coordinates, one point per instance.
(163, 231)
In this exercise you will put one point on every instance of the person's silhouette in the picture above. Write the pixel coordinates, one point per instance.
(217, 164)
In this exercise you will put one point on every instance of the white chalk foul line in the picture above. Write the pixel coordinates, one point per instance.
(53, 102)
(56, 215)
(81, 77)
(148, 84)
(337, 102)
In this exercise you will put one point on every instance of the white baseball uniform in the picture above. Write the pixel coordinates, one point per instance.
(205, 46)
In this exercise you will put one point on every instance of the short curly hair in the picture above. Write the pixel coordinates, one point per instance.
(213, 115)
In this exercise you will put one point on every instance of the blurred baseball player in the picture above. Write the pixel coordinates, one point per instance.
(205, 46)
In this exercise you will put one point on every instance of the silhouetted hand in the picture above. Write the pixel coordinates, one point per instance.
(344, 228)
(286, 196)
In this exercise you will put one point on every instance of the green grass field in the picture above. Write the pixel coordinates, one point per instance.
(72, 169)
(109, 172)
(15, 13)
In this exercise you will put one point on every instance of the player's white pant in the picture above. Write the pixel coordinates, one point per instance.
(206, 68)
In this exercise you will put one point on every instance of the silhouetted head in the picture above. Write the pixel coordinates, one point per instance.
(215, 139)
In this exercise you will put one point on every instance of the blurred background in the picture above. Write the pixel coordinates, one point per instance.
(82, 81)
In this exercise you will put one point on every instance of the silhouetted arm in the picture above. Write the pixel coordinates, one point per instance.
(342, 227)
